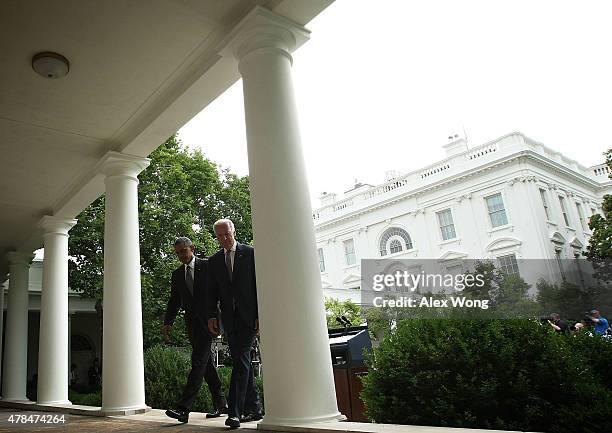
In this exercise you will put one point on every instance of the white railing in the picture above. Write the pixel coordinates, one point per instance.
(435, 170)
(385, 188)
(601, 170)
(482, 151)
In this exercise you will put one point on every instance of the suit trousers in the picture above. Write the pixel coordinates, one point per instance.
(202, 368)
(243, 395)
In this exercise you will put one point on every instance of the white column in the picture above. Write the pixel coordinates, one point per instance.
(295, 347)
(14, 379)
(123, 363)
(2, 281)
(53, 340)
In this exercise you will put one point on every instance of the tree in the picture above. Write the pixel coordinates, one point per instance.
(181, 193)
(334, 308)
(600, 243)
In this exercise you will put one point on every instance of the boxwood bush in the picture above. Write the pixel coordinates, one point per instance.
(496, 374)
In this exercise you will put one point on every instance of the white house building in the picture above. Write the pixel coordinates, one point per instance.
(512, 198)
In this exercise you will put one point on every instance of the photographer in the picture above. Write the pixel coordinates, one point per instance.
(557, 324)
(600, 324)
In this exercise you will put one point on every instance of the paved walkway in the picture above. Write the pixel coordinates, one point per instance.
(155, 421)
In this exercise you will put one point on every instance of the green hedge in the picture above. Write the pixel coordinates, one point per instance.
(166, 370)
(92, 399)
(497, 374)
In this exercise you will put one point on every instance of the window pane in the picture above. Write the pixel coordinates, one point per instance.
(508, 264)
(495, 203)
(396, 246)
(564, 211)
(445, 222)
(321, 260)
(545, 203)
(497, 212)
(349, 252)
(580, 216)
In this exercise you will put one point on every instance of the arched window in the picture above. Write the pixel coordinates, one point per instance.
(394, 240)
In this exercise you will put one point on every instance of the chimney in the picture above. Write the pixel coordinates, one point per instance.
(327, 199)
(455, 145)
(391, 174)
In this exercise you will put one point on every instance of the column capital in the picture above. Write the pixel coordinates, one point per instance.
(19, 258)
(121, 164)
(261, 30)
(52, 224)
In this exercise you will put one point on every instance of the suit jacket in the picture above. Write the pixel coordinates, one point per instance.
(180, 297)
(241, 291)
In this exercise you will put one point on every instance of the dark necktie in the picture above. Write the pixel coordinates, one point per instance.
(188, 279)
(228, 263)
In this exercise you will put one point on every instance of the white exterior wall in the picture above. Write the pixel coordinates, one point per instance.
(514, 166)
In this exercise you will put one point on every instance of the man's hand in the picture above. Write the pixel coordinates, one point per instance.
(213, 326)
(257, 327)
(166, 330)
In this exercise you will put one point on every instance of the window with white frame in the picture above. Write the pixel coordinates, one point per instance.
(508, 264)
(394, 240)
(497, 211)
(349, 252)
(321, 260)
(564, 211)
(446, 224)
(581, 216)
(545, 204)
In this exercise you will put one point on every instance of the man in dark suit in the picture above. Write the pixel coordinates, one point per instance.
(231, 284)
(188, 290)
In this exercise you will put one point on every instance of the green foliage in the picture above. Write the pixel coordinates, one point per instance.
(166, 370)
(181, 193)
(334, 308)
(571, 301)
(508, 294)
(600, 242)
(491, 374)
(92, 399)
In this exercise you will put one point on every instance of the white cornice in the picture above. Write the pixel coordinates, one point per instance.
(524, 155)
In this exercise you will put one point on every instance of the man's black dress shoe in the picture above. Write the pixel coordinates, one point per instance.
(217, 413)
(232, 422)
(251, 417)
(179, 414)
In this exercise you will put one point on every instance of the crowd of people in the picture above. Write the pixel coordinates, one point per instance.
(592, 322)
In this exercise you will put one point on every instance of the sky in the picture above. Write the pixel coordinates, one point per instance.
(382, 84)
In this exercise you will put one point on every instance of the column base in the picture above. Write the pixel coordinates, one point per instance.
(273, 423)
(17, 400)
(138, 407)
(54, 403)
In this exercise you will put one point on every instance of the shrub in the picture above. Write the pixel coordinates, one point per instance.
(497, 374)
(91, 399)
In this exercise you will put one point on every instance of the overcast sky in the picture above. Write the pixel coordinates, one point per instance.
(381, 84)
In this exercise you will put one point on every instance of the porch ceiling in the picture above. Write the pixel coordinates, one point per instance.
(139, 70)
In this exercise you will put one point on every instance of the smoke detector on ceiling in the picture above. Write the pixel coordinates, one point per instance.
(50, 65)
